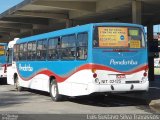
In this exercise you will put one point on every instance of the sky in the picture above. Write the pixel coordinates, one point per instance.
(6, 4)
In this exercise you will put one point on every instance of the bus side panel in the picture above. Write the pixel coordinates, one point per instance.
(10, 73)
(34, 83)
(2, 73)
(77, 84)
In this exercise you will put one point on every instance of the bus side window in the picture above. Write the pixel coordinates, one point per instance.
(68, 48)
(25, 51)
(16, 52)
(21, 52)
(53, 48)
(29, 51)
(31, 55)
(44, 49)
(41, 49)
(82, 45)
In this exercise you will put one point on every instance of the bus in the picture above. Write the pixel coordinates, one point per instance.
(3, 65)
(82, 60)
(9, 55)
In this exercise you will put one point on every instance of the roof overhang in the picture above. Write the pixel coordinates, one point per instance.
(38, 16)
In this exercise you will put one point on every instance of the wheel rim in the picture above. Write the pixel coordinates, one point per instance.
(54, 90)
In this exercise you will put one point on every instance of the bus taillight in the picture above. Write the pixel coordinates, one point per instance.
(94, 75)
(5, 68)
(145, 74)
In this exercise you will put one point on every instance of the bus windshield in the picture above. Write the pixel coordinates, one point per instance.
(118, 37)
(9, 55)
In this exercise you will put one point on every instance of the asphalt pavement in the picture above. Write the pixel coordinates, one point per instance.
(37, 105)
(152, 97)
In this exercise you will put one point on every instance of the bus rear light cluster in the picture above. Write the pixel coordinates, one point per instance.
(5, 68)
(94, 75)
(93, 70)
(145, 74)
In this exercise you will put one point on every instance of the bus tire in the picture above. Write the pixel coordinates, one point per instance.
(54, 93)
(18, 87)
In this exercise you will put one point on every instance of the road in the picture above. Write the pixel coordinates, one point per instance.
(36, 102)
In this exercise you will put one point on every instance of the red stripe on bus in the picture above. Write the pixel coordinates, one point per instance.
(84, 67)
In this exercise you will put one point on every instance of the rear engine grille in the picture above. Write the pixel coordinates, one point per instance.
(128, 82)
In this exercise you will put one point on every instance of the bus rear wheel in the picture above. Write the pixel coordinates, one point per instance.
(18, 87)
(54, 93)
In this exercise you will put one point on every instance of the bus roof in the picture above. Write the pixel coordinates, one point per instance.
(11, 43)
(118, 24)
(78, 29)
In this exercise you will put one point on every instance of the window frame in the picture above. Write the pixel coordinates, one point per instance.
(41, 50)
(95, 30)
(83, 46)
(31, 50)
(16, 52)
(62, 48)
(55, 48)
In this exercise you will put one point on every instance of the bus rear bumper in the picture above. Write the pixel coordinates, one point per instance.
(92, 88)
(3, 76)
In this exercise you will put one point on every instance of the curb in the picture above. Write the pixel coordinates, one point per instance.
(155, 105)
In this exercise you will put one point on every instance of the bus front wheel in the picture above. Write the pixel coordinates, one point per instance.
(54, 93)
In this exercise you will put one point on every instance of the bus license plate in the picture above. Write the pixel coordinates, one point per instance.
(110, 81)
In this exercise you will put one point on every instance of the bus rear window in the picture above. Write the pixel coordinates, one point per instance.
(2, 50)
(118, 37)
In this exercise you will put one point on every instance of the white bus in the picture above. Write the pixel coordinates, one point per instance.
(10, 62)
(92, 58)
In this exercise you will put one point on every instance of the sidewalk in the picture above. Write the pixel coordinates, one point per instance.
(152, 97)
